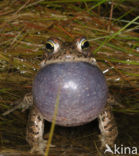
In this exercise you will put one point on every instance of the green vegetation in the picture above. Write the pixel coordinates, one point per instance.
(112, 28)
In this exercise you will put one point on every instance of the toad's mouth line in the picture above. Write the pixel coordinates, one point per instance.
(80, 59)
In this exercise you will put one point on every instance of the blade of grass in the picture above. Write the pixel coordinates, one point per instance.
(122, 20)
(53, 124)
(128, 62)
(125, 14)
(115, 34)
(60, 1)
(96, 5)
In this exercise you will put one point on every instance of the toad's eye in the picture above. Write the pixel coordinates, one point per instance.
(82, 44)
(52, 46)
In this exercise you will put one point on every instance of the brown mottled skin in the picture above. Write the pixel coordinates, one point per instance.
(35, 127)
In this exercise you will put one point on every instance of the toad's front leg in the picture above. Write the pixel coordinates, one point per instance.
(107, 127)
(35, 130)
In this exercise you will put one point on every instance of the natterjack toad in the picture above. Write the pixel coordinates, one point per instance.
(70, 72)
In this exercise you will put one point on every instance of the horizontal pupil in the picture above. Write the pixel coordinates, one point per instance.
(49, 46)
(85, 45)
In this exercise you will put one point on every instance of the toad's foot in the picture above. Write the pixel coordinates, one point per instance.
(23, 104)
(108, 128)
(35, 131)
